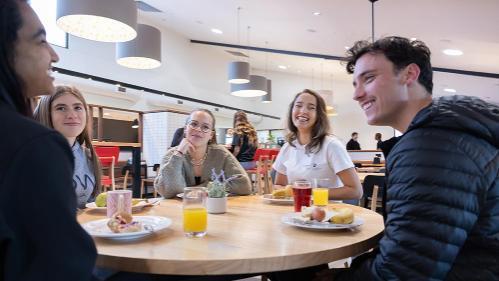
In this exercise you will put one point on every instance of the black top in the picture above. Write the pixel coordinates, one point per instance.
(442, 194)
(197, 180)
(378, 144)
(353, 145)
(40, 238)
(246, 151)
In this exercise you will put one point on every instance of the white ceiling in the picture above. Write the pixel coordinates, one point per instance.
(471, 26)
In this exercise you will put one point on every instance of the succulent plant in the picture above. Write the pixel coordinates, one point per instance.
(217, 188)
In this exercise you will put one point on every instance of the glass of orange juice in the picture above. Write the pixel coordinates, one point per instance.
(320, 192)
(195, 215)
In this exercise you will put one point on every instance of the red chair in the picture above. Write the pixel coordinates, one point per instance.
(108, 157)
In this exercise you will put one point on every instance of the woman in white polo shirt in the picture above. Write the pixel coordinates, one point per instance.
(311, 152)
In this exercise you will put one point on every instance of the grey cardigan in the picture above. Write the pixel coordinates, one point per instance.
(177, 172)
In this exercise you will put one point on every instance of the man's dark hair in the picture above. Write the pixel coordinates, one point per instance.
(12, 91)
(400, 51)
(354, 133)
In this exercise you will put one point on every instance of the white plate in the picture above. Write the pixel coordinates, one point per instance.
(293, 219)
(180, 195)
(135, 208)
(281, 201)
(150, 225)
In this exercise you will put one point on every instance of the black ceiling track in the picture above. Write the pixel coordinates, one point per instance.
(149, 90)
(328, 57)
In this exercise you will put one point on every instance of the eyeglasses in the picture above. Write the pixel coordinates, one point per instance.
(195, 125)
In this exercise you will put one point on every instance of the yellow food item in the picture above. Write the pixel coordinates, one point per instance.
(135, 201)
(279, 193)
(101, 200)
(343, 216)
(283, 193)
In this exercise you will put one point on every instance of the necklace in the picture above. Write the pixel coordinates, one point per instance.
(200, 161)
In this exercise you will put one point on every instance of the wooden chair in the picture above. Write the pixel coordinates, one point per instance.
(371, 187)
(108, 157)
(146, 181)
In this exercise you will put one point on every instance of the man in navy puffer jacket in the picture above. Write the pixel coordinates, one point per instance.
(442, 197)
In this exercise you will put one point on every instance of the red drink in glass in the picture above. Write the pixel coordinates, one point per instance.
(302, 192)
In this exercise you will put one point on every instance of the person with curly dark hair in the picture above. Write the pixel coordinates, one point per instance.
(244, 140)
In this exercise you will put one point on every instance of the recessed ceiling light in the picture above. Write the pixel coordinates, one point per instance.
(216, 31)
(449, 90)
(317, 13)
(452, 52)
(283, 67)
(311, 30)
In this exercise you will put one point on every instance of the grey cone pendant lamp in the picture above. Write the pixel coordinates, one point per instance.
(268, 97)
(98, 20)
(256, 87)
(239, 72)
(143, 52)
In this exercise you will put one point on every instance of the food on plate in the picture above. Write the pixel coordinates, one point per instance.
(101, 200)
(123, 222)
(136, 201)
(318, 214)
(343, 216)
(283, 193)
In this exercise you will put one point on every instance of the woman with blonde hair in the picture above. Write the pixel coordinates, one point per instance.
(311, 152)
(244, 140)
(66, 112)
(191, 162)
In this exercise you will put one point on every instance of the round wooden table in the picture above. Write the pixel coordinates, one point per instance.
(249, 238)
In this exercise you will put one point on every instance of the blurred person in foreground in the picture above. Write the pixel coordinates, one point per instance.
(40, 238)
(442, 197)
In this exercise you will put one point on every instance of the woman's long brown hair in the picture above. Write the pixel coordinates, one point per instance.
(43, 115)
(320, 129)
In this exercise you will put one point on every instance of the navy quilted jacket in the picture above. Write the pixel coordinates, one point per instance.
(442, 207)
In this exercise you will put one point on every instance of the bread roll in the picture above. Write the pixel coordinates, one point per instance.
(343, 216)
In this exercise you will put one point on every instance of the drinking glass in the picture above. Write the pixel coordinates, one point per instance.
(321, 191)
(302, 191)
(113, 200)
(194, 208)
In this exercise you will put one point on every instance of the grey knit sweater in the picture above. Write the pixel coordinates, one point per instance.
(177, 172)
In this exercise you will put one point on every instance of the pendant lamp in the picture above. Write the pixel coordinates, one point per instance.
(98, 20)
(268, 97)
(238, 71)
(256, 87)
(143, 52)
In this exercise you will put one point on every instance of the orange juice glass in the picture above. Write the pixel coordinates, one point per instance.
(195, 215)
(321, 196)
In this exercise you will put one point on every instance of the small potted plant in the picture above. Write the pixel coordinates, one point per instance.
(216, 203)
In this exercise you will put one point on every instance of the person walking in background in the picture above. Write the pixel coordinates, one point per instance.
(244, 140)
(40, 238)
(177, 137)
(378, 137)
(352, 144)
(67, 112)
(191, 162)
(442, 173)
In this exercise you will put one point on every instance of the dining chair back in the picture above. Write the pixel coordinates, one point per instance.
(373, 191)
(108, 157)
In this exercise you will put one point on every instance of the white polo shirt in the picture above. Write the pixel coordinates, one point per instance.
(326, 163)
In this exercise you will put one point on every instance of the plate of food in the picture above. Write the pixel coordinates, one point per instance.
(282, 196)
(317, 218)
(137, 203)
(126, 227)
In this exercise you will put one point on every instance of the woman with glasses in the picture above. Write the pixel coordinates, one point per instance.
(191, 162)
